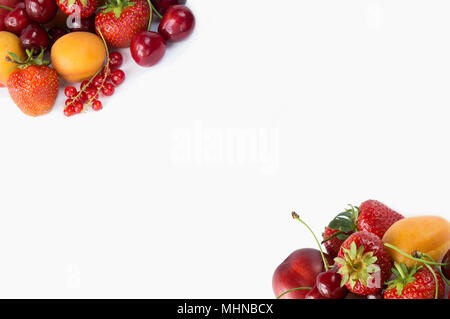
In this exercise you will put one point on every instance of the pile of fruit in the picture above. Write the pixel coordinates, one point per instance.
(373, 252)
(43, 40)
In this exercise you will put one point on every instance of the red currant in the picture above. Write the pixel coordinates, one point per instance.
(69, 102)
(108, 89)
(115, 60)
(91, 94)
(85, 85)
(97, 105)
(70, 91)
(69, 111)
(117, 77)
(78, 107)
(98, 81)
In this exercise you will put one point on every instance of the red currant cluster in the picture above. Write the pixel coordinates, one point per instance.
(104, 82)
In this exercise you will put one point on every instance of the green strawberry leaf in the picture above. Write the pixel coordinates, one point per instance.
(117, 12)
(345, 221)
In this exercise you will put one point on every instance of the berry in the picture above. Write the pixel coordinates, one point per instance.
(315, 294)
(17, 19)
(77, 107)
(69, 102)
(162, 5)
(333, 241)
(115, 60)
(329, 285)
(34, 86)
(364, 263)
(117, 77)
(34, 37)
(85, 85)
(416, 282)
(97, 105)
(108, 89)
(87, 7)
(98, 81)
(70, 92)
(119, 21)
(377, 218)
(177, 24)
(69, 111)
(147, 48)
(91, 94)
(41, 11)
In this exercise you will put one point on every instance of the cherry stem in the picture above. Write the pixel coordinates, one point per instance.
(414, 258)
(150, 4)
(155, 11)
(325, 263)
(6, 8)
(438, 268)
(294, 289)
(332, 236)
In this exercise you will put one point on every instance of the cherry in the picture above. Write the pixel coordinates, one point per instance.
(147, 48)
(97, 105)
(6, 6)
(446, 269)
(70, 92)
(34, 37)
(115, 60)
(315, 294)
(41, 11)
(17, 19)
(108, 89)
(83, 24)
(162, 5)
(329, 285)
(117, 77)
(55, 33)
(177, 24)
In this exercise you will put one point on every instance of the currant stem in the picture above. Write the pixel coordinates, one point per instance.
(325, 263)
(294, 289)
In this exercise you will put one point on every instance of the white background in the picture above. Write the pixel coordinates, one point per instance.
(182, 187)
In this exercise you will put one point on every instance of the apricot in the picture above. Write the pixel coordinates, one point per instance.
(426, 234)
(9, 42)
(77, 56)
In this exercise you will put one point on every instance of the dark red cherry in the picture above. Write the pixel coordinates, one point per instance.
(17, 19)
(55, 33)
(314, 294)
(329, 285)
(162, 5)
(446, 268)
(177, 24)
(147, 48)
(41, 11)
(34, 37)
(83, 24)
(10, 4)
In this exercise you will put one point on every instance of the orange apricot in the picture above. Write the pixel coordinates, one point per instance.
(426, 234)
(9, 42)
(77, 56)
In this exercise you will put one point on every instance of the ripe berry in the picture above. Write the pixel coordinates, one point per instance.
(108, 89)
(17, 19)
(98, 81)
(69, 102)
(41, 11)
(115, 60)
(70, 91)
(117, 77)
(78, 107)
(148, 48)
(177, 24)
(329, 285)
(85, 85)
(97, 105)
(34, 37)
(69, 111)
(91, 94)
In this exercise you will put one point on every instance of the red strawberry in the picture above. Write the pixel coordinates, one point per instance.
(414, 283)
(376, 217)
(86, 7)
(333, 240)
(364, 263)
(34, 86)
(120, 20)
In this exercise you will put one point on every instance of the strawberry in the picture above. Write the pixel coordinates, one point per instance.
(120, 20)
(333, 240)
(376, 217)
(86, 7)
(34, 86)
(417, 282)
(371, 216)
(364, 263)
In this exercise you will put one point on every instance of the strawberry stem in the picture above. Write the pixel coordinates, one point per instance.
(293, 289)
(325, 263)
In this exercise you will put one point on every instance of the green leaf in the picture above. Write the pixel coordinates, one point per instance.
(14, 56)
(117, 12)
